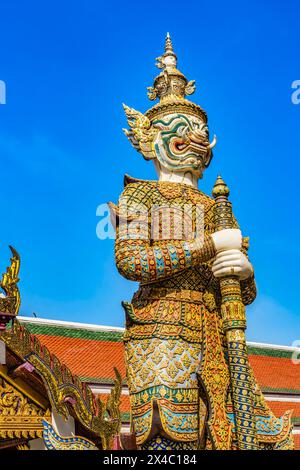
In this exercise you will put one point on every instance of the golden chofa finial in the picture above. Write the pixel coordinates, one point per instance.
(10, 300)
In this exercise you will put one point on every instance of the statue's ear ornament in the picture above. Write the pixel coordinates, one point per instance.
(141, 133)
(190, 87)
(152, 93)
(160, 64)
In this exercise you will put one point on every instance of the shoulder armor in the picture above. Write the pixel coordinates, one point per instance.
(129, 179)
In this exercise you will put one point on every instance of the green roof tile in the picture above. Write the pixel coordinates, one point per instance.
(295, 391)
(50, 330)
(100, 380)
(270, 352)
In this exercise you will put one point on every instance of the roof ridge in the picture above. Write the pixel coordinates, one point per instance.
(282, 347)
(70, 325)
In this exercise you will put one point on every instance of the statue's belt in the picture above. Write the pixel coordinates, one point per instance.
(157, 293)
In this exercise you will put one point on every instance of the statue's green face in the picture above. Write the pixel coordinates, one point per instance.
(182, 143)
(179, 142)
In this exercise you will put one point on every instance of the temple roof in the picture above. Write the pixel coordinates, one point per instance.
(29, 365)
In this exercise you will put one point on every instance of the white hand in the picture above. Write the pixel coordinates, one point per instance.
(232, 262)
(227, 239)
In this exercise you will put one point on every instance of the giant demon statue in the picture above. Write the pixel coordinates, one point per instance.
(189, 378)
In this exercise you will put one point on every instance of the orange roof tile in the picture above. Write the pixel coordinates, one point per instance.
(125, 402)
(280, 407)
(276, 372)
(87, 358)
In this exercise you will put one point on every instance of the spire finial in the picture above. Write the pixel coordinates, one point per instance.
(168, 45)
(220, 189)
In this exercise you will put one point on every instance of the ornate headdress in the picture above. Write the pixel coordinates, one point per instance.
(171, 87)
(182, 140)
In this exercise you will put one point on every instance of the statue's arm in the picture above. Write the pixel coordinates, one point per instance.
(138, 261)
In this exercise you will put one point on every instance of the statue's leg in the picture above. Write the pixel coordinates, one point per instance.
(164, 393)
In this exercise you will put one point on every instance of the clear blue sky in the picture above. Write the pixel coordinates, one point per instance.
(69, 65)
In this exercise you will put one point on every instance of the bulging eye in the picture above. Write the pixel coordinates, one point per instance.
(182, 131)
(202, 128)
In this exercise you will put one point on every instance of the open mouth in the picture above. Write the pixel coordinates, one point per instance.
(180, 146)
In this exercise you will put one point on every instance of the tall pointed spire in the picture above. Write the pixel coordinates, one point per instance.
(171, 86)
(168, 45)
(169, 59)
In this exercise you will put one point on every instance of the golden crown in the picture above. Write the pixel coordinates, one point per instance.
(171, 87)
